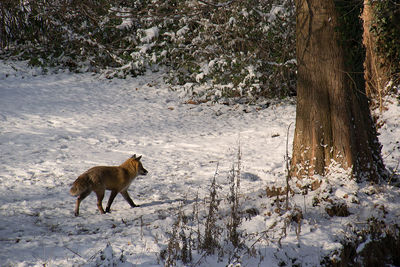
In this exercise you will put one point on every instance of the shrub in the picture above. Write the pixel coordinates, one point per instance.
(242, 48)
(387, 32)
(230, 48)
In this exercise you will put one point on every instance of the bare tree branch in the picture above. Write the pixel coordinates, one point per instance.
(218, 4)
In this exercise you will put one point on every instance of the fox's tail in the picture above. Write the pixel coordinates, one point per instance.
(81, 184)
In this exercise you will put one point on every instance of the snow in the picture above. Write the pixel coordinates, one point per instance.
(54, 127)
(181, 32)
(150, 34)
(126, 23)
(275, 10)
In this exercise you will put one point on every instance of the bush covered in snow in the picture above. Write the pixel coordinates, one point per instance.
(237, 48)
(231, 48)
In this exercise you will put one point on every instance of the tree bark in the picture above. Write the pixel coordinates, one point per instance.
(333, 122)
(376, 70)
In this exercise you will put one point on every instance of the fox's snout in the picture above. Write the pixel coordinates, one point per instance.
(143, 171)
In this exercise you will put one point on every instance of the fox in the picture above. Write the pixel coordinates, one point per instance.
(101, 178)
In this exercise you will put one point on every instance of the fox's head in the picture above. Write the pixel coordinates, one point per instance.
(140, 169)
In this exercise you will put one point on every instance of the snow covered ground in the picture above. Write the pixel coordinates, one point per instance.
(54, 127)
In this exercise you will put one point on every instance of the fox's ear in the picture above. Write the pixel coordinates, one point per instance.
(138, 158)
(134, 156)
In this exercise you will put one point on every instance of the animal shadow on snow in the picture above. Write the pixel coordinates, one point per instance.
(251, 177)
(168, 201)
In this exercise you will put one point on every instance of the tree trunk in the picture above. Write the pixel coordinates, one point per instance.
(376, 70)
(333, 122)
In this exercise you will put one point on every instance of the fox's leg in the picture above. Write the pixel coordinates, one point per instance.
(111, 199)
(100, 196)
(128, 198)
(79, 200)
